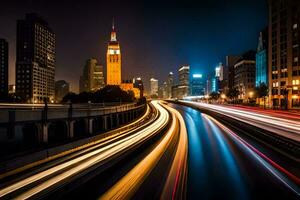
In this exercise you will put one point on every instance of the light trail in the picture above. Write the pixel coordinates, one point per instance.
(284, 127)
(107, 138)
(176, 181)
(66, 171)
(278, 171)
(126, 187)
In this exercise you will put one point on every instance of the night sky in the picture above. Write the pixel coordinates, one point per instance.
(155, 37)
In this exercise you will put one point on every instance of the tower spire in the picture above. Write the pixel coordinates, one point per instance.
(113, 35)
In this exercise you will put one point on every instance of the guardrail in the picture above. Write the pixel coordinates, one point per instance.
(54, 113)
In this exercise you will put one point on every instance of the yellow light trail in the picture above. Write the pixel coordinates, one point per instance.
(65, 171)
(106, 138)
(126, 187)
(176, 182)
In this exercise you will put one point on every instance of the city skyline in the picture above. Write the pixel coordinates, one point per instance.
(174, 43)
(177, 99)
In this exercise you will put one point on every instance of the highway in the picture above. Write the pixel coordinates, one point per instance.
(280, 125)
(44, 181)
(224, 165)
(180, 153)
(73, 166)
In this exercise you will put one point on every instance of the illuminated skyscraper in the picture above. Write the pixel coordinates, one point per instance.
(183, 89)
(262, 59)
(197, 85)
(153, 87)
(244, 75)
(113, 60)
(284, 54)
(35, 63)
(170, 84)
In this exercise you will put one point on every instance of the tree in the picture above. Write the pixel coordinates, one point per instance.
(109, 93)
(214, 95)
(262, 91)
(233, 93)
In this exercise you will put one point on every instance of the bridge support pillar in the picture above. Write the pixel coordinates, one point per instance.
(89, 126)
(104, 127)
(111, 121)
(70, 129)
(43, 133)
(117, 120)
(130, 115)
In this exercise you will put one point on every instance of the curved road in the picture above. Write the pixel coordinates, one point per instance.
(221, 165)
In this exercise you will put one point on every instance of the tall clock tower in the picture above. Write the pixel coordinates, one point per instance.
(113, 60)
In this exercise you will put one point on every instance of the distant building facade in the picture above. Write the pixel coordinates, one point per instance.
(230, 62)
(3, 68)
(244, 79)
(35, 62)
(170, 84)
(197, 85)
(113, 60)
(184, 75)
(223, 78)
(183, 88)
(128, 85)
(62, 88)
(154, 87)
(284, 54)
(92, 78)
(138, 83)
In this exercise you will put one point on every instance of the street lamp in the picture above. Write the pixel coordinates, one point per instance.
(206, 97)
(223, 97)
(251, 94)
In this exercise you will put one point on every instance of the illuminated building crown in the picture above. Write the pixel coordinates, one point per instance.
(113, 35)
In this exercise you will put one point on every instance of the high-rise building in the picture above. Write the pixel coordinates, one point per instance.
(92, 78)
(214, 84)
(197, 85)
(154, 87)
(98, 78)
(61, 89)
(166, 91)
(223, 78)
(183, 89)
(284, 53)
(3, 68)
(262, 59)
(113, 60)
(184, 75)
(244, 75)
(218, 71)
(230, 62)
(170, 84)
(35, 63)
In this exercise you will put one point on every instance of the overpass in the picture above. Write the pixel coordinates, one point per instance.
(37, 125)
